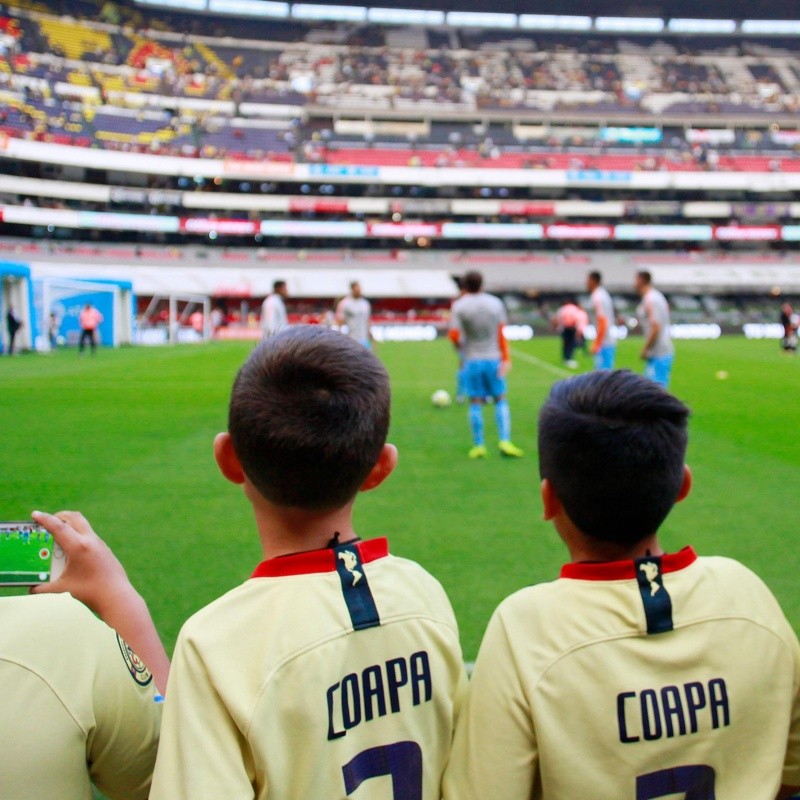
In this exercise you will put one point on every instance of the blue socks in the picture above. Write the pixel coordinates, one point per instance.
(461, 382)
(502, 414)
(476, 422)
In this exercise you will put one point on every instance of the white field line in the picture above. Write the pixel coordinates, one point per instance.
(537, 362)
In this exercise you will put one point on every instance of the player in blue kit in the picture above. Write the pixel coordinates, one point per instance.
(476, 329)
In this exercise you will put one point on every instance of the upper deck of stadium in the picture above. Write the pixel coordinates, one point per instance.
(118, 77)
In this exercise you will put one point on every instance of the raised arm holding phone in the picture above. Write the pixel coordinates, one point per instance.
(82, 695)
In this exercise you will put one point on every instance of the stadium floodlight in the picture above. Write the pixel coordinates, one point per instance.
(629, 24)
(779, 27)
(185, 5)
(250, 8)
(481, 19)
(335, 13)
(554, 22)
(405, 16)
(681, 25)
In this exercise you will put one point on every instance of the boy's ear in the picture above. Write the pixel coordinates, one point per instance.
(686, 486)
(550, 501)
(383, 468)
(226, 458)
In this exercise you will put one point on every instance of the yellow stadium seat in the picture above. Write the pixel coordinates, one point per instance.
(73, 39)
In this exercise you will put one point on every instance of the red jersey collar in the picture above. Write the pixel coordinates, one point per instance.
(314, 561)
(625, 570)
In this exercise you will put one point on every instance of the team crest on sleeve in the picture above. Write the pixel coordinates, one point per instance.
(135, 665)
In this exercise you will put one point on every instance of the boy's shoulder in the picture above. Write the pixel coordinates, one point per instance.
(706, 586)
(311, 602)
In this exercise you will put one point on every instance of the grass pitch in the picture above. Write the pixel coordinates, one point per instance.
(126, 438)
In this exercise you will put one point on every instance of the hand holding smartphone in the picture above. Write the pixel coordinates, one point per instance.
(29, 556)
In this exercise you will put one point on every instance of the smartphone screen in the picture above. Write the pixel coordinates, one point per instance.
(26, 554)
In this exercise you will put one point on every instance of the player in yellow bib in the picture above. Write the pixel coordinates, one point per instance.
(637, 674)
(335, 670)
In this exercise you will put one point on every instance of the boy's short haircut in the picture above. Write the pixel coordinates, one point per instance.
(278, 285)
(596, 277)
(308, 417)
(645, 276)
(472, 282)
(612, 444)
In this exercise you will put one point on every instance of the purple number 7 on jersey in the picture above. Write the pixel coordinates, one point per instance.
(697, 781)
(401, 760)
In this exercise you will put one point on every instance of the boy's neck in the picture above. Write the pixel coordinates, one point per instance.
(582, 548)
(284, 531)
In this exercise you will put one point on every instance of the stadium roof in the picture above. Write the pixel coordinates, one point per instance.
(735, 9)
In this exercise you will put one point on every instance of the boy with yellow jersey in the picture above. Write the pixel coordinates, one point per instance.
(336, 669)
(637, 674)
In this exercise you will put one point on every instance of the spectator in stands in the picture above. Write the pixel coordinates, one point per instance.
(89, 320)
(273, 309)
(81, 695)
(13, 324)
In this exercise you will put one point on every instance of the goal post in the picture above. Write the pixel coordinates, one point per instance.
(64, 298)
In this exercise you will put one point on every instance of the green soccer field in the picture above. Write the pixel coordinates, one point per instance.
(126, 438)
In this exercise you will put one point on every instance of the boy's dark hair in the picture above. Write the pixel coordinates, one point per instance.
(596, 277)
(308, 417)
(278, 285)
(645, 276)
(472, 282)
(612, 444)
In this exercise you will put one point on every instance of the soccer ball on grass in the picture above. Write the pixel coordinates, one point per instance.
(441, 399)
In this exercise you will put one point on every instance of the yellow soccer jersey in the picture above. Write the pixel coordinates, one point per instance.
(77, 704)
(663, 677)
(329, 674)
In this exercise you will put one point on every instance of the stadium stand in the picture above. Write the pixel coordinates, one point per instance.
(59, 59)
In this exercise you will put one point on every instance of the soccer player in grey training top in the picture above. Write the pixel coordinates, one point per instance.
(658, 352)
(353, 312)
(476, 329)
(604, 348)
(273, 310)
